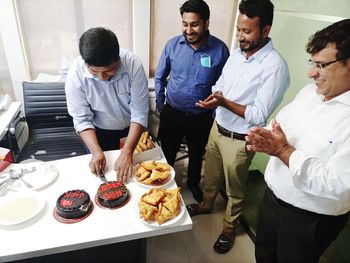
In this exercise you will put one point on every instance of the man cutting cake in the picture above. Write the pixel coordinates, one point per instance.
(107, 96)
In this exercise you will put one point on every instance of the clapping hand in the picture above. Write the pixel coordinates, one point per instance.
(273, 142)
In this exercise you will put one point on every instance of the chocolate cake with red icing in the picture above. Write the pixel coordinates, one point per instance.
(112, 194)
(73, 204)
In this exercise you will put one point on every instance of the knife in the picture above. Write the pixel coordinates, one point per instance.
(102, 176)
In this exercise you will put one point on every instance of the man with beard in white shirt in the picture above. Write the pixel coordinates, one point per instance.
(251, 86)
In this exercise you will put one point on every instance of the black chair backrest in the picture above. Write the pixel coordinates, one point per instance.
(45, 105)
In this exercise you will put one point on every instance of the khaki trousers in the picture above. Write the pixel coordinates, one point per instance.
(226, 159)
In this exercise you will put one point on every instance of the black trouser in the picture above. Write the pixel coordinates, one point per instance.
(110, 139)
(173, 126)
(289, 234)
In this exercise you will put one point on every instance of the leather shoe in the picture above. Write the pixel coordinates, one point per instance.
(196, 192)
(195, 210)
(224, 243)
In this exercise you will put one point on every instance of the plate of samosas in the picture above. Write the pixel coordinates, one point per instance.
(161, 207)
(153, 174)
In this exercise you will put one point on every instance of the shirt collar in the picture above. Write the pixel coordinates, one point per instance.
(86, 72)
(342, 98)
(262, 52)
(117, 76)
(182, 39)
(209, 42)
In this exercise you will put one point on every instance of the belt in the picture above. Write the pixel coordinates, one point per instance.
(230, 134)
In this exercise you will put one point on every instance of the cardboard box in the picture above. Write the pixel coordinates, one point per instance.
(153, 154)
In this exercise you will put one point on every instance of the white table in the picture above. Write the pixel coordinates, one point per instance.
(44, 235)
(6, 117)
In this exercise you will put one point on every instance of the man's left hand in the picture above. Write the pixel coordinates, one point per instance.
(212, 101)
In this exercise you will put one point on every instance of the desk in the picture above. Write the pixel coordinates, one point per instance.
(6, 117)
(43, 235)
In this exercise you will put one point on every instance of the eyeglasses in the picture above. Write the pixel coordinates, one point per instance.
(320, 65)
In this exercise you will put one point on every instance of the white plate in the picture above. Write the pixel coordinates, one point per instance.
(165, 183)
(166, 223)
(20, 207)
(44, 175)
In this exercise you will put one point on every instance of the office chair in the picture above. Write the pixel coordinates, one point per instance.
(51, 132)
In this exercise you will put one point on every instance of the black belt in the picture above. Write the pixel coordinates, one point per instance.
(230, 134)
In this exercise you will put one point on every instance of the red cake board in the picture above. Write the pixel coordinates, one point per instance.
(72, 220)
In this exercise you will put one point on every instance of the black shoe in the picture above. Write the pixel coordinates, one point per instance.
(224, 243)
(194, 210)
(196, 192)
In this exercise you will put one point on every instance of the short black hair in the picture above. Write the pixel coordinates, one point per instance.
(337, 33)
(99, 47)
(258, 8)
(196, 6)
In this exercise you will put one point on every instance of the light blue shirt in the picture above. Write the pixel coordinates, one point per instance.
(111, 104)
(258, 82)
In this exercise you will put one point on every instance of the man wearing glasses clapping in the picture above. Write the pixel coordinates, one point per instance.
(307, 202)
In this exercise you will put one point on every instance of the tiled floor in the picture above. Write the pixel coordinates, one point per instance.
(196, 245)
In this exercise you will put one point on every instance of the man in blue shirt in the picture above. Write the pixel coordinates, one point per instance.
(194, 62)
(251, 86)
(107, 96)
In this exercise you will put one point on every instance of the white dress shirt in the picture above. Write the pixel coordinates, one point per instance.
(258, 82)
(110, 104)
(318, 176)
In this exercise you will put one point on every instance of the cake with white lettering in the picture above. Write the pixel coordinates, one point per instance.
(73, 204)
(112, 194)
